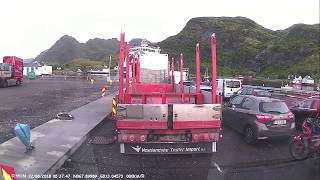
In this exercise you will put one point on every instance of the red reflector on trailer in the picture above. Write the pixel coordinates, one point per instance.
(132, 138)
(142, 138)
(212, 136)
(206, 137)
(125, 138)
(195, 137)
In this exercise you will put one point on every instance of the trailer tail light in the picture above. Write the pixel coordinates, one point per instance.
(143, 138)
(291, 116)
(124, 138)
(204, 137)
(262, 118)
(212, 136)
(132, 138)
(195, 137)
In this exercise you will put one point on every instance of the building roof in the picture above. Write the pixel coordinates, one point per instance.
(32, 64)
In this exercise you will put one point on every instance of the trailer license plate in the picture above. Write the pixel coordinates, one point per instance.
(279, 122)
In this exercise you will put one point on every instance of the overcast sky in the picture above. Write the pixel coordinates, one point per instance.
(30, 26)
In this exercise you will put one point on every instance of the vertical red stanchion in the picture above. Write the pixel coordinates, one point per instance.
(172, 71)
(127, 97)
(121, 59)
(181, 77)
(169, 70)
(138, 70)
(134, 69)
(214, 68)
(127, 67)
(197, 69)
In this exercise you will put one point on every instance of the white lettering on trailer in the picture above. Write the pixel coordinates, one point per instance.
(153, 150)
(177, 149)
(193, 149)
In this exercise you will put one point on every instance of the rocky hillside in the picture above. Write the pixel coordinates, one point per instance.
(68, 48)
(245, 47)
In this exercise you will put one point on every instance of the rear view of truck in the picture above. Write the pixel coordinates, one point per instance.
(165, 118)
(11, 71)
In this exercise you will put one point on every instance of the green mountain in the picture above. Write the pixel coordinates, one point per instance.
(245, 47)
(68, 48)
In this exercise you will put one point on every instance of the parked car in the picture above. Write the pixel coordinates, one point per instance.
(308, 108)
(252, 91)
(258, 117)
(226, 87)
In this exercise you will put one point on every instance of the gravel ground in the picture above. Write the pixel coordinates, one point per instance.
(38, 101)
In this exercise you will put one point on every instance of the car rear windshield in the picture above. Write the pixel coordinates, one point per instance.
(273, 107)
(263, 93)
(233, 84)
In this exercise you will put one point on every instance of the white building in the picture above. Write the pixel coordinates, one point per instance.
(36, 68)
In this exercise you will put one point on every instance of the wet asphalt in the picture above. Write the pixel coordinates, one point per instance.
(235, 160)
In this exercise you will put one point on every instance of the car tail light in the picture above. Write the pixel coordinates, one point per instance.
(262, 118)
(291, 116)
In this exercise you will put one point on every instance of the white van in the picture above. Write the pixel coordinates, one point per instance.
(227, 87)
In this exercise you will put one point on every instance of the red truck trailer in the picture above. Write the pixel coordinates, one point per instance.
(165, 118)
(11, 71)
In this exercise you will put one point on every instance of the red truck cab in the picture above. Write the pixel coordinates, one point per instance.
(11, 71)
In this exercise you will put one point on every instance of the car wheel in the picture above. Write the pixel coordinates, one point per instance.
(5, 84)
(18, 82)
(249, 135)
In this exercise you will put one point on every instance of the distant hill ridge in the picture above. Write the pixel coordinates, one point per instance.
(244, 47)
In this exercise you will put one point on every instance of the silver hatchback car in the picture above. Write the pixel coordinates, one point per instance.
(259, 117)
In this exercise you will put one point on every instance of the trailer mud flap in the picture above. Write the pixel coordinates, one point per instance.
(168, 148)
